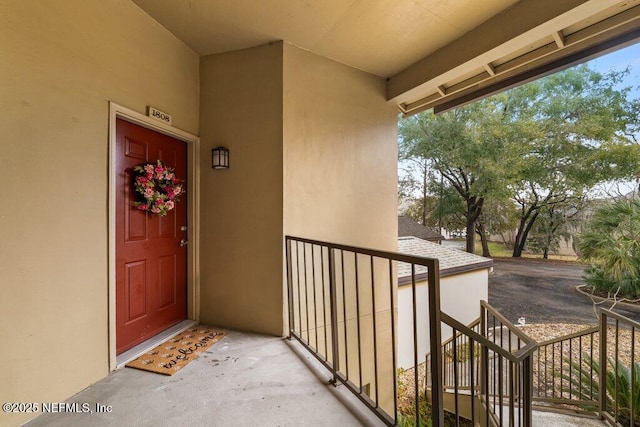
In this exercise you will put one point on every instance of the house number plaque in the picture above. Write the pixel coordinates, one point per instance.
(159, 115)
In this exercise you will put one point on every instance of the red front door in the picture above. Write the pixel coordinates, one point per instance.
(151, 257)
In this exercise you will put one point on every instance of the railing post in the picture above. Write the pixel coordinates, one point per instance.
(287, 245)
(527, 385)
(333, 308)
(603, 364)
(437, 408)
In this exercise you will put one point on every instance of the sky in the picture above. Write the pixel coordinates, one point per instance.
(619, 60)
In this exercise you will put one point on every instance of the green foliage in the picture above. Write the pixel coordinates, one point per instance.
(464, 151)
(408, 418)
(622, 386)
(554, 223)
(611, 245)
(541, 145)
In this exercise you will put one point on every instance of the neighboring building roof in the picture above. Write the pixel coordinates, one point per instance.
(408, 227)
(451, 261)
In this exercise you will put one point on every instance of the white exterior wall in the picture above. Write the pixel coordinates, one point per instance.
(460, 297)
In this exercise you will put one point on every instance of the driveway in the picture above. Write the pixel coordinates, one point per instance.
(544, 292)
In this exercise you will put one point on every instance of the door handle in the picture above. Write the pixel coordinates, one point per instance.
(183, 242)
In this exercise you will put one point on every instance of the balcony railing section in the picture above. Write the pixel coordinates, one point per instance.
(565, 373)
(619, 369)
(486, 371)
(342, 309)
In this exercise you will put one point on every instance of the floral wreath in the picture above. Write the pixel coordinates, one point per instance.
(156, 188)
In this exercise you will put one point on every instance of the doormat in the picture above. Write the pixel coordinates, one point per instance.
(172, 355)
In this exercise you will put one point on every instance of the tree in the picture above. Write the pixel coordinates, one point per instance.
(464, 149)
(612, 245)
(545, 144)
(579, 124)
(555, 222)
(499, 217)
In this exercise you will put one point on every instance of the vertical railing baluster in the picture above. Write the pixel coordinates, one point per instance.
(287, 247)
(500, 388)
(512, 394)
(633, 381)
(472, 381)
(569, 367)
(546, 370)
(299, 293)
(615, 367)
(485, 370)
(393, 346)
(355, 262)
(435, 320)
(375, 331)
(344, 313)
(306, 291)
(415, 346)
(324, 304)
(580, 386)
(456, 393)
(603, 364)
(591, 367)
(315, 306)
(333, 307)
(553, 370)
(527, 383)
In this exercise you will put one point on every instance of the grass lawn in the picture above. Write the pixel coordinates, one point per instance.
(498, 250)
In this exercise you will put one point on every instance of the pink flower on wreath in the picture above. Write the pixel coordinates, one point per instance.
(157, 185)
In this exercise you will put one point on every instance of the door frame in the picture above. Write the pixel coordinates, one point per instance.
(117, 111)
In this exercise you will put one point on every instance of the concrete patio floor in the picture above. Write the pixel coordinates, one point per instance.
(243, 380)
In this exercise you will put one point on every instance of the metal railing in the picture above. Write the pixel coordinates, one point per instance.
(487, 371)
(457, 360)
(342, 308)
(619, 370)
(564, 372)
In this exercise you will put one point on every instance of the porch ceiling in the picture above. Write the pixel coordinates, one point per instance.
(431, 51)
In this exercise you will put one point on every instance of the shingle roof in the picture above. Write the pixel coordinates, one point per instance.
(451, 261)
(409, 227)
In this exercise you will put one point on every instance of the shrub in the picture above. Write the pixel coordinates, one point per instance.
(622, 385)
(611, 245)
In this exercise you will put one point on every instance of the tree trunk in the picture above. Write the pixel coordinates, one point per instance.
(471, 234)
(545, 253)
(523, 232)
(483, 240)
(474, 209)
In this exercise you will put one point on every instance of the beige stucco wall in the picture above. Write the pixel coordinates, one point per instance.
(303, 132)
(340, 153)
(60, 64)
(340, 185)
(460, 297)
(241, 240)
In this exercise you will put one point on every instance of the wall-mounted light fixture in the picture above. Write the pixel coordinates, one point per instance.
(220, 158)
